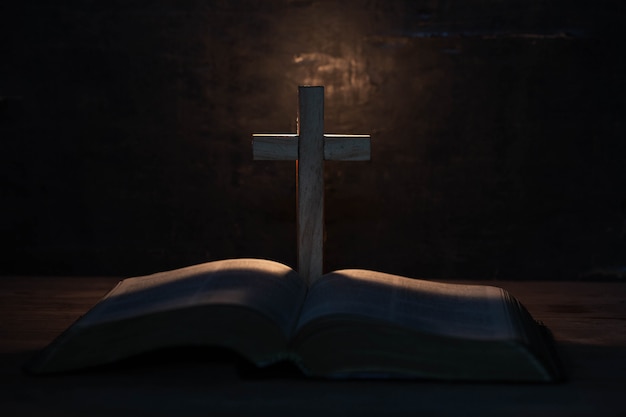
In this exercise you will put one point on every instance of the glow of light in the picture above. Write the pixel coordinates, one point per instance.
(344, 77)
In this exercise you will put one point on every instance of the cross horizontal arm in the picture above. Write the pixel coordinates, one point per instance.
(336, 147)
(347, 147)
(275, 147)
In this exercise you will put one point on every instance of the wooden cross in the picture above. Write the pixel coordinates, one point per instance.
(309, 148)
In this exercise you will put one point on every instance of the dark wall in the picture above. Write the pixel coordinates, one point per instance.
(498, 134)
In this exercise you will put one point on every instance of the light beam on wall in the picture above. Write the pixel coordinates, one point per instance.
(344, 76)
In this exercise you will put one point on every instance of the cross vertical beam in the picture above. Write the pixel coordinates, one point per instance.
(310, 180)
(309, 148)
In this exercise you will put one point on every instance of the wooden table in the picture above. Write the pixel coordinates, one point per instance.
(588, 320)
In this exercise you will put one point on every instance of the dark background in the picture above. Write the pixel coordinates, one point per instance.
(498, 133)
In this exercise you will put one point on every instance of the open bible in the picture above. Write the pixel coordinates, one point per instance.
(348, 324)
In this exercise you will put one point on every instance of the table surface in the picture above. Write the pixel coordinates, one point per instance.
(588, 320)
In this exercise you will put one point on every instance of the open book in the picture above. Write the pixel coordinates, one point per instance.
(349, 323)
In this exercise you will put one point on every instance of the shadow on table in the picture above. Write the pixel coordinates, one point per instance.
(579, 362)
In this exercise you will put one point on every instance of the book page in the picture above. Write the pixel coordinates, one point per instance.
(268, 287)
(466, 311)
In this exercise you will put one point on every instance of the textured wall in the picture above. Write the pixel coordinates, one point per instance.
(498, 134)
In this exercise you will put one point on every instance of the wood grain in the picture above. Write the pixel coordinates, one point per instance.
(274, 147)
(310, 173)
(347, 147)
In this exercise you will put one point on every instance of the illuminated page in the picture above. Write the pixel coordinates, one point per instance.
(265, 286)
(464, 311)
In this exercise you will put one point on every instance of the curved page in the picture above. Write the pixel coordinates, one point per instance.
(463, 311)
(268, 287)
